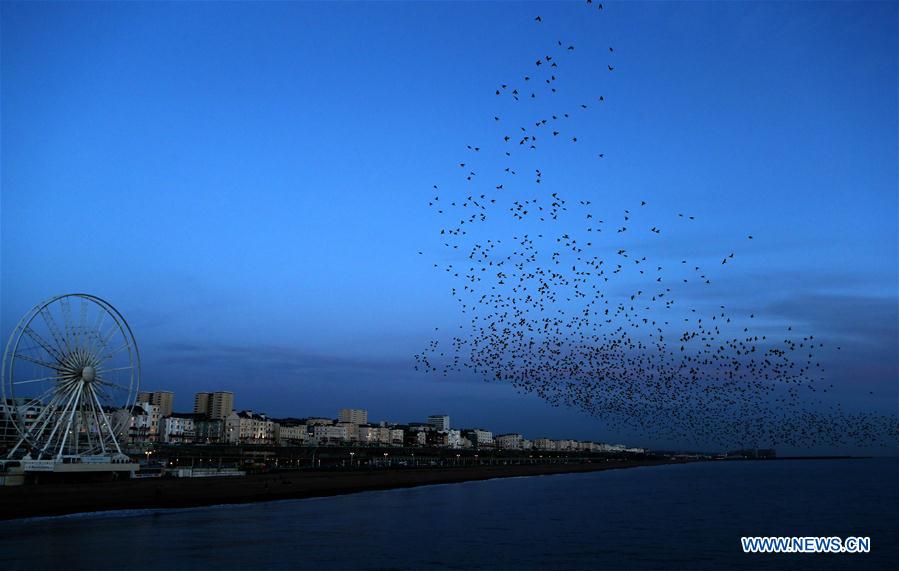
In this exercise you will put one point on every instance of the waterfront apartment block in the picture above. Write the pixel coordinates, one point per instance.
(544, 444)
(439, 421)
(214, 405)
(479, 437)
(290, 433)
(209, 430)
(509, 441)
(248, 427)
(373, 435)
(324, 435)
(143, 424)
(179, 428)
(163, 399)
(454, 438)
(354, 415)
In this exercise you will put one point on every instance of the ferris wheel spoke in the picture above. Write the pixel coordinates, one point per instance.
(111, 354)
(96, 418)
(97, 388)
(86, 421)
(50, 439)
(68, 361)
(33, 437)
(105, 385)
(104, 341)
(63, 396)
(111, 377)
(82, 425)
(44, 343)
(44, 417)
(36, 361)
(66, 311)
(54, 330)
(109, 427)
(39, 399)
(101, 372)
(53, 378)
(103, 390)
(95, 332)
(80, 357)
(65, 435)
(30, 433)
(51, 392)
(63, 424)
(111, 380)
(82, 321)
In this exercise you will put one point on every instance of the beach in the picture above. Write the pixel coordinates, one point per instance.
(62, 499)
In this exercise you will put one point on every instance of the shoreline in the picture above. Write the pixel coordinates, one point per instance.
(18, 502)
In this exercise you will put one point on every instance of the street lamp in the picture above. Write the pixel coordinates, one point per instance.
(385, 458)
(413, 459)
(352, 454)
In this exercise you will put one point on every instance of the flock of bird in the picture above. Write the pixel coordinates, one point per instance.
(557, 302)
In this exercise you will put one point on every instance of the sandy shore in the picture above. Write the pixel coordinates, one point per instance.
(60, 499)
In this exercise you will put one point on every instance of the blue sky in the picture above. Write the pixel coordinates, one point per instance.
(247, 182)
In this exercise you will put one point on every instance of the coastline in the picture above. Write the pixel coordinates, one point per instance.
(64, 499)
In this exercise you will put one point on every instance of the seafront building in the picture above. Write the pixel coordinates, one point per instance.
(374, 435)
(179, 428)
(479, 437)
(214, 405)
(509, 441)
(152, 421)
(143, 425)
(544, 444)
(163, 399)
(439, 421)
(290, 432)
(453, 438)
(208, 430)
(353, 415)
(324, 435)
(248, 427)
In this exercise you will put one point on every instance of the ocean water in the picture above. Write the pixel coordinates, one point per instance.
(666, 517)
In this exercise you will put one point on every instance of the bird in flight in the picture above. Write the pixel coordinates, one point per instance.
(545, 314)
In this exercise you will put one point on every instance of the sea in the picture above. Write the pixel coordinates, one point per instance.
(688, 516)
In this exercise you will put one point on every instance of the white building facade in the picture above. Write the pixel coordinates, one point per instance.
(440, 422)
(178, 429)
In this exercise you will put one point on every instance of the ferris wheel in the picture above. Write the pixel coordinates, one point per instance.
(70, 377)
